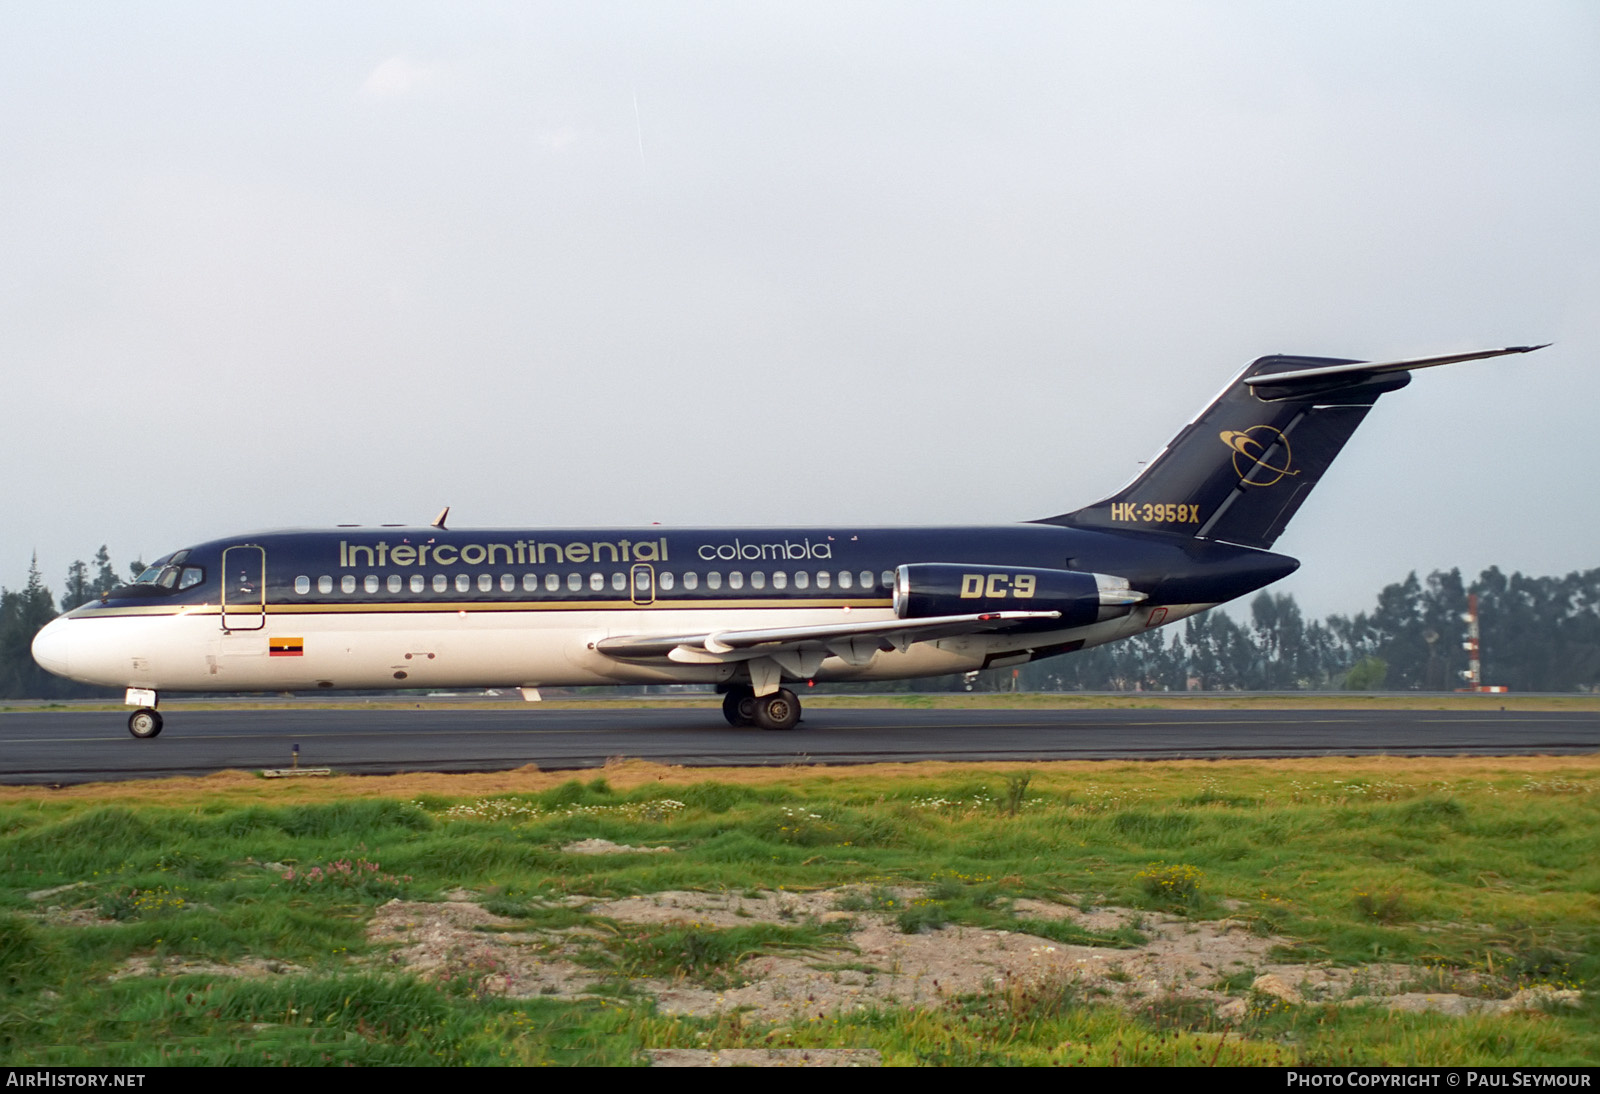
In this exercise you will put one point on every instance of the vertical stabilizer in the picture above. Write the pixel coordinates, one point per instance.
(1241, 469)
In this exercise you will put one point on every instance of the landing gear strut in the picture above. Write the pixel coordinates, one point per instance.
(144, 723)
(742, 707)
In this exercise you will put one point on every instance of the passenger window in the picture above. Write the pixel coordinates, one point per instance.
(713, 580)
(666, 581)
(597, 582)
(440, 583)
(508, 583)
(575, 582)
(888, 579)
(347, 583)
(844, 579)
(823, 580)
(485, 582)
(324, 584)
(302, 584)
(530, 583)
(395, 581)
(417, 584)
(463, 583)
(619, 582)
(780, 580)
(552, 582)
(758, 580)
(691, 580)
(802, 580)
(736, 580)
(866, 579)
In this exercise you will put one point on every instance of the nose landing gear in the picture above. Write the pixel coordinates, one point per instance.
(742, 707)
(144, 723)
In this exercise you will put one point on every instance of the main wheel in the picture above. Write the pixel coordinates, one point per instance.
(144, 723)
(780, 710)
(739, 707)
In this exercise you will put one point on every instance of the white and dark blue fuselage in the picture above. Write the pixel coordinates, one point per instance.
(749, 610)
(428, 608)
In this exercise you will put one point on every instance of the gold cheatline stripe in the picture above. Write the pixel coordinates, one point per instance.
(561, 606)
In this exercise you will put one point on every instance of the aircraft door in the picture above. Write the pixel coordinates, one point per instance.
(643, 584)
(244, 588)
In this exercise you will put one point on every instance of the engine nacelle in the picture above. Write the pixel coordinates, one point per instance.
(943, 588)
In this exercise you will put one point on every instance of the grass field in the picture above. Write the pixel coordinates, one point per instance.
(231, 919)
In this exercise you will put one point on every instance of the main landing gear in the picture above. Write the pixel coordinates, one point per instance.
(144, 723)
(743, 707)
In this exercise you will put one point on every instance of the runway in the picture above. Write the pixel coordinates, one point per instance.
(62, 747)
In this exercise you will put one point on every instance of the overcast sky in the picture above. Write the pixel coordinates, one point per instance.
(606, 264)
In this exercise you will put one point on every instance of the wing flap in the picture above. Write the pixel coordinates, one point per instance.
(854, 642)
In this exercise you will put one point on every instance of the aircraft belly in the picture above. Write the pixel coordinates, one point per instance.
(470, 649)
(190, 652)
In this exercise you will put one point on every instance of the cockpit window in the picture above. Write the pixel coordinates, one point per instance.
(152, 573)
(168, 573)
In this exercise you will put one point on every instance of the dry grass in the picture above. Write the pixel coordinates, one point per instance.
(626, 774)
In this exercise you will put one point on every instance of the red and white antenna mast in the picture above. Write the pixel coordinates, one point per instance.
(1474, 672)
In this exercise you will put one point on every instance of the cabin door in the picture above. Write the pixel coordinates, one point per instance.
(244, 588)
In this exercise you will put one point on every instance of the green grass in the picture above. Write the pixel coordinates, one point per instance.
(1482, 872)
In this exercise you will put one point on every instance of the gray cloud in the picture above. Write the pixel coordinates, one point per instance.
(800, 263)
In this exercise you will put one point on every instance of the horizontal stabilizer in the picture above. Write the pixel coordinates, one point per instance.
(1371, 368)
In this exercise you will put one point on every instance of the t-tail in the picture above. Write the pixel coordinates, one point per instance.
(1239, 471)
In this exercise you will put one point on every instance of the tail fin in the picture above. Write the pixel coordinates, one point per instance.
(1242, 468)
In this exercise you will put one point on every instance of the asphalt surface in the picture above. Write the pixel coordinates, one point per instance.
(60, 747)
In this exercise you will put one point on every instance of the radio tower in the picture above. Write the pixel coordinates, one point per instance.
(1474, 671)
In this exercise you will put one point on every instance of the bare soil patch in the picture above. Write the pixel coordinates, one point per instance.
(876, 965)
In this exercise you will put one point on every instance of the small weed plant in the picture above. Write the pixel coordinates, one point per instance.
(1177, 885)
(358, 876)
(1388, 906)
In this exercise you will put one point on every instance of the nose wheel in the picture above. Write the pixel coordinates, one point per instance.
(144, 724)
(741, 706)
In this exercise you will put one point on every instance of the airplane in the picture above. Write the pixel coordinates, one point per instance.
(749, 610)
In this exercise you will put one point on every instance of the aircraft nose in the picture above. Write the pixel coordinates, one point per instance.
(50, 646)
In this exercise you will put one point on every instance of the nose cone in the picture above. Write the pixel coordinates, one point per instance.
(50, 646)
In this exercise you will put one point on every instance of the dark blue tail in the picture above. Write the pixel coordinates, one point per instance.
(1244, 466)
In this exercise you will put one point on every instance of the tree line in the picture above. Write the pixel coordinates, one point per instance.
(24, 611)
(1538, 634)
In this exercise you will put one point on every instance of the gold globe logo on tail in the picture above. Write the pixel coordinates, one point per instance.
(1250, 447)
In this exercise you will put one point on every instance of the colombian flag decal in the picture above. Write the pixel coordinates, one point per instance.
(286, 647)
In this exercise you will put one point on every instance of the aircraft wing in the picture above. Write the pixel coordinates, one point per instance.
(799, 651)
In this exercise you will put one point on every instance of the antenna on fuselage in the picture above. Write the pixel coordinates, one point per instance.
(438, 521)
